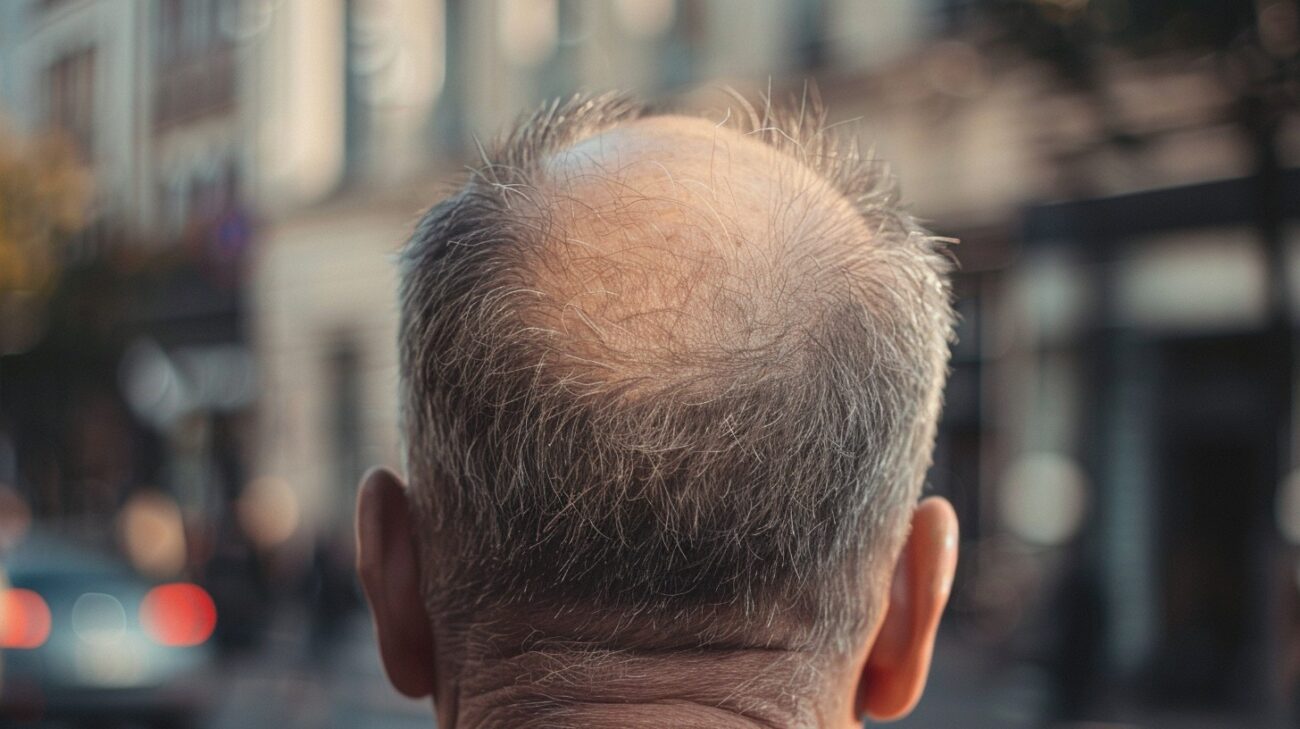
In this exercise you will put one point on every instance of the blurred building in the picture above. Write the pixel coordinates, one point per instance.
(76, 67)
(139, 375)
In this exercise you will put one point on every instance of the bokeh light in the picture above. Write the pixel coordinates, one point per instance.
(178, 615)
(1044, 498)
(99, 619)
(152, 533)
(24, 619)
(268, 511)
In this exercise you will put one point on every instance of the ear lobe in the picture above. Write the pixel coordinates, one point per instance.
(898, 663)
(389, 567)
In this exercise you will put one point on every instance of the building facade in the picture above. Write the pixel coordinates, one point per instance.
(142, 351)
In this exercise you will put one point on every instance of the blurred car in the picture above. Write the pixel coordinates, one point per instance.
(83, 636)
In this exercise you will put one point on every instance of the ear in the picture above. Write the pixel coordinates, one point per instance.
(898, 660)
(390, 574)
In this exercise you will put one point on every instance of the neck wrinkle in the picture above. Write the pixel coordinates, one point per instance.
(623, 716)
(733, 689)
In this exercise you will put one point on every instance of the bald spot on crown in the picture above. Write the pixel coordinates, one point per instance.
(672, 245)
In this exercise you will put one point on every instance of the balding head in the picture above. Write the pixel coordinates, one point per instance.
(670, 386)
(678, 249)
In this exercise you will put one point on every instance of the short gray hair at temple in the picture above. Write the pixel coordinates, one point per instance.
(646, 513)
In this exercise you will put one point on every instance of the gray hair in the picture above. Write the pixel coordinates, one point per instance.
(732, 492)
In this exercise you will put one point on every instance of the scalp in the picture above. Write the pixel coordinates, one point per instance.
(672, 247)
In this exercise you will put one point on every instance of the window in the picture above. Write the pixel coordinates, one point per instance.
(70, 98)
(195, 60)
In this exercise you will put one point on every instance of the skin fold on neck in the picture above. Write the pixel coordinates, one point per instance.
(708, 689)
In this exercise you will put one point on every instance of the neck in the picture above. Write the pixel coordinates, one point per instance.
(703, 689)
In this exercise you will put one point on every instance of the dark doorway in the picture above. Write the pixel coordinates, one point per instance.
(1217, 464)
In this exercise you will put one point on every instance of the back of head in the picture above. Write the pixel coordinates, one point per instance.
(668, 384)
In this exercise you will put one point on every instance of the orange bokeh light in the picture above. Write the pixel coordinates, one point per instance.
(24, 619)
(178, 614)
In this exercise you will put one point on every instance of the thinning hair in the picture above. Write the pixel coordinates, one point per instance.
(728, 467)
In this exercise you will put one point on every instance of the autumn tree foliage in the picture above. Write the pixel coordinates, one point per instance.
(43, 195)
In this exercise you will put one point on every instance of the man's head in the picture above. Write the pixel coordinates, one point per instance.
(670, 391)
